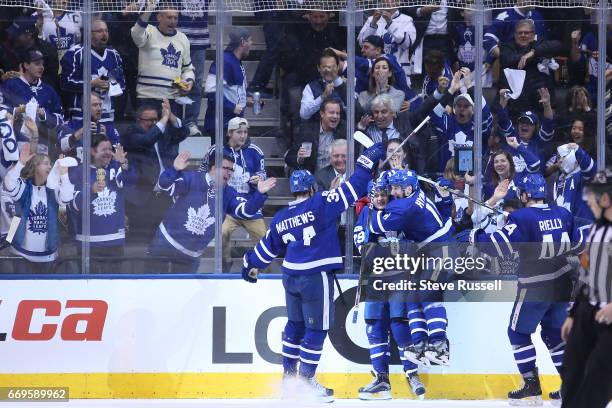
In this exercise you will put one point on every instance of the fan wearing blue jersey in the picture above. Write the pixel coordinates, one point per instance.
(544, 278)
(106, 77)
(307, 230)
(417, 218)
(576, 167)
(384, 317)
(15, 93)
(188, 226)
(457, 128)
(525, 131)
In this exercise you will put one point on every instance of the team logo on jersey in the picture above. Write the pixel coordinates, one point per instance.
(37, 219)
(519, 163)
(198, 221)
(193, 8)
(171, 56)
(467, 51)
(459, 139)
(104, 204)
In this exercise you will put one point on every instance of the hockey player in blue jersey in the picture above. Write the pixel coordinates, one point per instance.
(384, 317)
(307, 230)
(417, 218)
(548, 234)
(188, 226)
(576, 167)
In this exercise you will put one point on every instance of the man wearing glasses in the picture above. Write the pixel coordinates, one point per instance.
(529, 54)
(188, 226)
(152, 144)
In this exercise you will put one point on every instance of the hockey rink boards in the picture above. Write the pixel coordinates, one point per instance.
(214, 338)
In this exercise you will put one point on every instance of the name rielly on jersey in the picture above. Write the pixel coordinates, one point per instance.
(550, 225)
(296, 221)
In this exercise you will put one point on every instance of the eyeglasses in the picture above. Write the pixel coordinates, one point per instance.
(148, 119)
(524, 32)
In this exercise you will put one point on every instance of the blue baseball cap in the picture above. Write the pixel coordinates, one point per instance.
(21, 25)
(529, 116)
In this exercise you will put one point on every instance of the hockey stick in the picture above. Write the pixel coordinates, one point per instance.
(363, 278)
(367, 142)
(398, 148)
(462, 195)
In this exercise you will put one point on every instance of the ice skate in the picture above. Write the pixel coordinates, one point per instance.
(378, 389)
(315, 391)
(415, 353)
(438, 352)
(530, 394)
(555, 398)
(290, 386)
(416, 385)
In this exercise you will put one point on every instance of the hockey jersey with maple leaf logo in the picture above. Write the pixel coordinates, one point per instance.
(188, 225)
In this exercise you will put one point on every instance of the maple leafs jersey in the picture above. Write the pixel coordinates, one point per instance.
(249, 161)
(18, 91)
(543, 235)
(522, 163)
(161, 59)
(63, 31)
(109, 65)
(234, 90)
(588, 44)
(398, 36)
(454, 133)
(107, 208)
(568, 188)
(308, 230)
(74, 124)
(193, 21)
(32, 239)
(188, 225)
(417, 217)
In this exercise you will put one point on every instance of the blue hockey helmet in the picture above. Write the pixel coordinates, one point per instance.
(533, 184)
(404, 178)
(378, 185)
(301, 181)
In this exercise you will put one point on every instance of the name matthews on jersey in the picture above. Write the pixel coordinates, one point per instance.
(296, 221)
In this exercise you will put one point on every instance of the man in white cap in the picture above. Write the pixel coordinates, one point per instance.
(249, 169)
(457, 127)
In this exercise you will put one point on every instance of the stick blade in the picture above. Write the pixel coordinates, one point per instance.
(363, 139)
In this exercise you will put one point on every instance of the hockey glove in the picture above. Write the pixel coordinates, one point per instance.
(370, 156)
(248, 274)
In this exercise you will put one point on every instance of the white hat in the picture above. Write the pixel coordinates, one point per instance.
(236, 122)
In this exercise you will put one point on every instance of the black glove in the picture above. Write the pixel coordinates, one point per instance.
(370, 156)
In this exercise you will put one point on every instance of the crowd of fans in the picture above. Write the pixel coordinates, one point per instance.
(148, 80)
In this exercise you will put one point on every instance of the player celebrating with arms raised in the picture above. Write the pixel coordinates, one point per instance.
(307, 229)
(544, 278)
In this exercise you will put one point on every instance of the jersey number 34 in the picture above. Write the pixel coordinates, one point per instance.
(307, 235)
